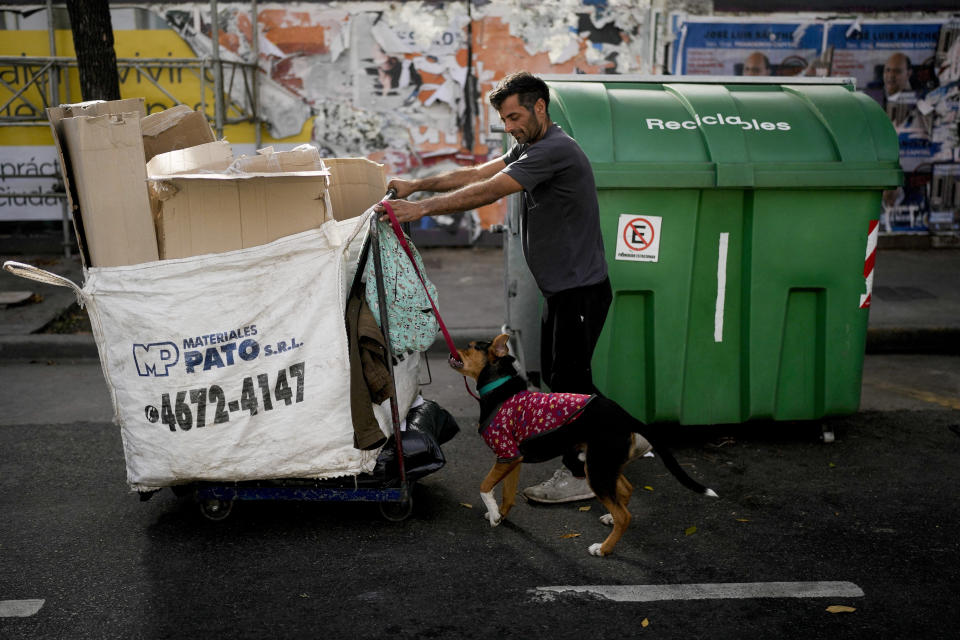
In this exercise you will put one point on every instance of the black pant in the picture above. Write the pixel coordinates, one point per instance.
(569, 329)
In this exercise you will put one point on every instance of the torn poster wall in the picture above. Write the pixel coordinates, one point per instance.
(404, 83)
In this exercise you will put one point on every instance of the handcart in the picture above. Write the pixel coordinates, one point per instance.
(407, 456)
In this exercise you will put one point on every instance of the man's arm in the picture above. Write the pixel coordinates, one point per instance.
(468, 197)
(449, 180)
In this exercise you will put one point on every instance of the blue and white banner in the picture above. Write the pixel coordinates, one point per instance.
(723, 47)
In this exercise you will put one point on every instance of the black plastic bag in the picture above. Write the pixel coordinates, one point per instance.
(431, 418)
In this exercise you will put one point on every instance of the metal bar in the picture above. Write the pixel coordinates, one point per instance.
(72, 62)
(54, 194)
(217, 68)
(152, 81)
(65, 226)
(385, 328)
(317, 494)
(255, 102)
(37, 60)
(35, 78)
(52, 41)
(53, 66)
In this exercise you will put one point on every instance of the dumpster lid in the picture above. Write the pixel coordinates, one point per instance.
(735, 132)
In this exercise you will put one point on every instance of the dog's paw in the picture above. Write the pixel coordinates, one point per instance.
(595, 549)
(493, 511)
(607, 519)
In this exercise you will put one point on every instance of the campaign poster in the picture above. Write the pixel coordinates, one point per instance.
(903, 66)
(894, 63)
(911, 68)
(723, 47)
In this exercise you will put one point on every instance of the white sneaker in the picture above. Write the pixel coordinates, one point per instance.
(639, 447)
(561, 487)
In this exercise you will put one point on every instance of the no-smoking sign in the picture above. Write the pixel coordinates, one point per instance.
(638, 237)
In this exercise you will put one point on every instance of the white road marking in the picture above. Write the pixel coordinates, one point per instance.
(19, 608)
(720, 591)
(721, 287)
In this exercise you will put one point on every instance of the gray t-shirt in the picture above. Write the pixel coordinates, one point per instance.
(560, 219)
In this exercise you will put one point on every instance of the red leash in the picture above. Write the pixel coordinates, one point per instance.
(454, 360)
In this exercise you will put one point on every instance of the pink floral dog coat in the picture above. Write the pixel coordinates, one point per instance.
(527, 414)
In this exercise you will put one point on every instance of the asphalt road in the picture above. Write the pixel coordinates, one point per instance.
(869, 520)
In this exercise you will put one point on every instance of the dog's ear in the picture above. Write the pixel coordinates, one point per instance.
(499, 346)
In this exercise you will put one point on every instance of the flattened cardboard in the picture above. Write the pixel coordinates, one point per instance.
(176, 128)
(55, 116)
(306, 157)
(212, 156)
(109, 177)
(212, 213)
(356, 184)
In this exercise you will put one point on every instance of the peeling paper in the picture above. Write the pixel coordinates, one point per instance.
(386, 78)
(553, 28)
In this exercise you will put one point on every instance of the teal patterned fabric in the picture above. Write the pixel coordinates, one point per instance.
(412, 324)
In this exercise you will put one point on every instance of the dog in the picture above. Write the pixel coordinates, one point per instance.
(528, 426)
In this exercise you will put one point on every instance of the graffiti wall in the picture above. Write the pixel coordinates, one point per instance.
(402, 83)
(911, 67)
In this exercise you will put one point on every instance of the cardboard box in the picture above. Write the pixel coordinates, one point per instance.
(210, 213)
(179, 127)
(259, 199)
(56, 116)
(356, 184)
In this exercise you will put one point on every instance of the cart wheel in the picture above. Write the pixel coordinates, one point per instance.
(397, 511)
(216, 510)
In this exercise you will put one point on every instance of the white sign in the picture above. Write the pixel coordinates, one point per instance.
(638, 237)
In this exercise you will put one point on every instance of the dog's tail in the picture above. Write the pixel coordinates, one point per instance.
(674, 467)
(613, 413)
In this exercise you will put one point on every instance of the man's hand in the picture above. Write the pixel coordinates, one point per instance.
(403, 188)
(404, 210)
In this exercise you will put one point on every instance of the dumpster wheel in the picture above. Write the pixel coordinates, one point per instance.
(216, 509)
(397, 511)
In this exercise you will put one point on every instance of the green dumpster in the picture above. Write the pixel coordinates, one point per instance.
(739, 220)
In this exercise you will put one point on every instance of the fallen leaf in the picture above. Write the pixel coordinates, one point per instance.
(832, 465)
(742, 520)
(839, 608)
(648, 488)
(570, 535)
(587, 508)
(467, 505)
(304, 595)
(690, 531)
(645, 623)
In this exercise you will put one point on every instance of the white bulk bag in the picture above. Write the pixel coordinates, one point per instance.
(233, 366)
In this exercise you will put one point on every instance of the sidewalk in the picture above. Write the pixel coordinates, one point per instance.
(916, 302)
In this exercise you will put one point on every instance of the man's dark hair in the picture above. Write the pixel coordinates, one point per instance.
(527, 87)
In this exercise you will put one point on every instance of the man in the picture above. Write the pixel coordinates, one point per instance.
(756, 64)
(560, 235)
(896, 74)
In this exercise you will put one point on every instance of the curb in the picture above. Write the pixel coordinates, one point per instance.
(936, 340)
(42, 346)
